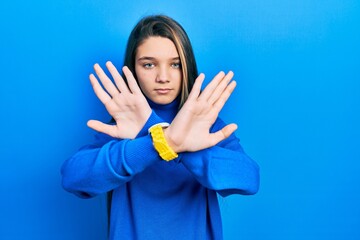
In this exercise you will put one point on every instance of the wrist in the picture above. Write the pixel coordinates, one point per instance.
(160, 142)
(169, 140)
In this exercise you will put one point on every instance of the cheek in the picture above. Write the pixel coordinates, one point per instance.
(178, 77)
(146, 84)
(142, 77)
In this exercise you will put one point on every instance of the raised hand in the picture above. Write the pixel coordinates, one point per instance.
(124, 102)
(190, 129)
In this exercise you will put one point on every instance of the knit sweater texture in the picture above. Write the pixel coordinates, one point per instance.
(155, 199)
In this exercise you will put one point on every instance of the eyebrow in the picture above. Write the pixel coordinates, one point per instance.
(152, 58)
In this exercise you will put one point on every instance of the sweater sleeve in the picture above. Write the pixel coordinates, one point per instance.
(109, 162)
(225, 168)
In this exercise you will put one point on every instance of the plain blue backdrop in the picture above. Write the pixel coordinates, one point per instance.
(297, 105)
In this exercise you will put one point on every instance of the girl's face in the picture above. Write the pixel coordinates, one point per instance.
(158, 69)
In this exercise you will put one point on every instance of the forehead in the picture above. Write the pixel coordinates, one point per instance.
(157, 47)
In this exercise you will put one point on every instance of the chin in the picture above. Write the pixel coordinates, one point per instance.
(163, 100)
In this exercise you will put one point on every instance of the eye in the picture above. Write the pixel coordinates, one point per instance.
(148, 65)
(176, 65)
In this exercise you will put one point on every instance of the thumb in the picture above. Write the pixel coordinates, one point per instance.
(223, 133)
(229, 129)
(101, 127)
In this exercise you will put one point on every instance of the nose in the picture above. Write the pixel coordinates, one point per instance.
(162, 75)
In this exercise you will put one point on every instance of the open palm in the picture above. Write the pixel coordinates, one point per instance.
(190, 129)
(124, 102)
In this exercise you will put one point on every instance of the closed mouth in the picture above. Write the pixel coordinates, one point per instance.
(162, 90)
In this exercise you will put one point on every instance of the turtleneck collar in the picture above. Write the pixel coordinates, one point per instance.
(166, 111)
(168, 106)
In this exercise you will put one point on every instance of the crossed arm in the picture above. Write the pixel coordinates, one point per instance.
(128, 106)
(194, 132)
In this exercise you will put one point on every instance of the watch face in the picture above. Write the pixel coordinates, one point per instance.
(162, 124)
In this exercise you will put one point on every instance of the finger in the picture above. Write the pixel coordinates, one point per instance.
(105, 80)
(220, 87)
(222, 134)
(209, 89)
(196, 89)
(219, 104)
(99, 91)
(133, 85)
(102, 127)
(119, 81)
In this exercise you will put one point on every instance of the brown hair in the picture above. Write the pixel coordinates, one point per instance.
(164, 26)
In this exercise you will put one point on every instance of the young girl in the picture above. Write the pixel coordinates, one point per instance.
(166, 155)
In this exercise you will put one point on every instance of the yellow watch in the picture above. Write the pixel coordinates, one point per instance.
(160, 144)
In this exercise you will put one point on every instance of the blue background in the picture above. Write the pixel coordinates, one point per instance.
(297, 106)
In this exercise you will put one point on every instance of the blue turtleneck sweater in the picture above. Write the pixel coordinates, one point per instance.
(155, 199)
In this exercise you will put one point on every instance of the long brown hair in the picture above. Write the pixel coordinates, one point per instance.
(164, 26)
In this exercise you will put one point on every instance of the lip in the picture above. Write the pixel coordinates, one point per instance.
(162, 90)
